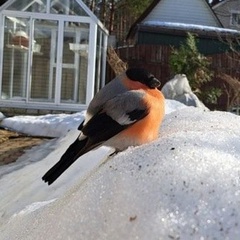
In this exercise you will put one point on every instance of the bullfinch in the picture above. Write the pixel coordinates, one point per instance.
(128, 111)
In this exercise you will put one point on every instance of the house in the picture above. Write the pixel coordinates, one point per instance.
(228, 12)
(52, 55)
(166, 22)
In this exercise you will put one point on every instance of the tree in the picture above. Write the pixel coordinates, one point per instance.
(231, 88)
(136, 7)
(118, 15)
(187, 60)
(229, 75)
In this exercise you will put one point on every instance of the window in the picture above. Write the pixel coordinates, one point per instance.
(75, 63)
(15, 57)
(235, 19)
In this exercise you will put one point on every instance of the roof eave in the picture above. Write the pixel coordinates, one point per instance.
(183, 32)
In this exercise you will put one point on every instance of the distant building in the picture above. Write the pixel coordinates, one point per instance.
(228, 12)
(167, 22)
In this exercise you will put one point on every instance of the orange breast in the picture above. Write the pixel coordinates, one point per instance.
(147, 129)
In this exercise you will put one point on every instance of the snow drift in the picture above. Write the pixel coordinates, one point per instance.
(179, 89)
(185, 185)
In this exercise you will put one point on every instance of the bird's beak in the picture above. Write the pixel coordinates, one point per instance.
(154, 83)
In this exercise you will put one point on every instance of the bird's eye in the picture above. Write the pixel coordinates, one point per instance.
(154, 82)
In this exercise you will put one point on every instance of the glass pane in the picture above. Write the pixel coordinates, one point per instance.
(75, 63)
(98, 61)
(29, 6)
(15, 57)
(68, 77)
(70, 7)
(43, 64)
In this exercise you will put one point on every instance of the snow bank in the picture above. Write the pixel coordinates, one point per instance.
(185, 185)
(50, 125)
(1, 116)
(188, 27)
(179, 89)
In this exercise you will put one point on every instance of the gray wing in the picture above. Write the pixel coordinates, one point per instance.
(116, 115)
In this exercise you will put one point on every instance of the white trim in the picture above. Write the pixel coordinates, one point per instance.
(52, 63)
(30, 59)
(2, 23)
(42, 106)
(48, 6)
(27, 6)
(91, 62)
(75, 67)
(58, 80)
(104, 56)
(46, 16)
(231, 18)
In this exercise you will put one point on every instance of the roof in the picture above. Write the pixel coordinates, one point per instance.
(181, 29)
(134, 27)
(219, 4)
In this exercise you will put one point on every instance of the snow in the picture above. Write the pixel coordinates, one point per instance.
(50, 125)
(187, 26)
(1, 116)
(179, 89)
(184, 185)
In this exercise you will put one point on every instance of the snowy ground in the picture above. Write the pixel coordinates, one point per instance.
(185, 185)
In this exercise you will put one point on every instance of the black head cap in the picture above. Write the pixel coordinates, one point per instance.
(143, 76)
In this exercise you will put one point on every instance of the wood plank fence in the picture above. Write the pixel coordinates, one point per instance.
(155, 58)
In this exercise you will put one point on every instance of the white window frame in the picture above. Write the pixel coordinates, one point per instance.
(235, 24)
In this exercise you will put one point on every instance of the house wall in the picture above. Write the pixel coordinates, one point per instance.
(223, 12)
(183, 11)
(206, 46)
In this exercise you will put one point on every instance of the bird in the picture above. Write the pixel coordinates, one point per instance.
(127, 111)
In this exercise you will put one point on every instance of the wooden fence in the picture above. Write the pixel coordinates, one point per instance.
(155, 58)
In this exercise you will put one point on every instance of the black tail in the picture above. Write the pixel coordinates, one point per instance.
(67, 159)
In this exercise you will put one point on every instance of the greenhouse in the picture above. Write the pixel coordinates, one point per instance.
(52, 54)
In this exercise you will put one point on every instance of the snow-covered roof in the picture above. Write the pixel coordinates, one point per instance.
(190, 27)
(174, 28)
(173, 9)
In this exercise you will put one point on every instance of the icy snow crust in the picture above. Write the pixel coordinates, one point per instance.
(187, 26)
(185, 185)
(49, 125)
